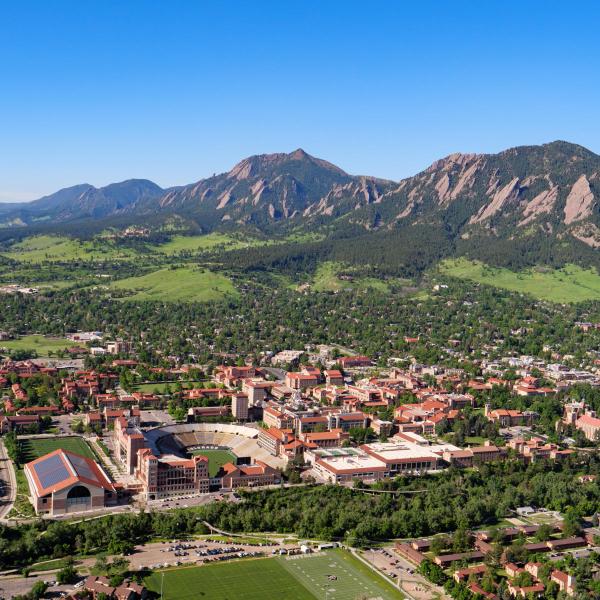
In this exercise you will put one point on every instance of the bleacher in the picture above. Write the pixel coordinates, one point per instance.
(242, 440)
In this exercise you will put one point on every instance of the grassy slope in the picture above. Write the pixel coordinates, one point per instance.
(197, 243)
(263, 579)
(52, 248)
(183, 283)
(39, 343)
(570, 284)
(326, 280)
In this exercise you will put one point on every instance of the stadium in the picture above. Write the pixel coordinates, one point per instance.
(191, 438)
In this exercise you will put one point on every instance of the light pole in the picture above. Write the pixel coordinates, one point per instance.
(162, 581)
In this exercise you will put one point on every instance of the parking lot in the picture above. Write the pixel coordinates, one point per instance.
(403, 574)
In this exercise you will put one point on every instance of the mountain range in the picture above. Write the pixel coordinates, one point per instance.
(551, 189)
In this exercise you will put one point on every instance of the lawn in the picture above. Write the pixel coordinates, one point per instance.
(184, 283)
(353, 578)
(261, 579)
(41, 344)
(216, 459)
(475, 440)
(22, 508)
(36, 447)
(567, 285)
(161, 386)
(50, 565)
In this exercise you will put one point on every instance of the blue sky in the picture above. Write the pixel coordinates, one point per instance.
(176, 90)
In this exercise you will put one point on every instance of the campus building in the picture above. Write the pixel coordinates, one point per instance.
(128, 440)
(61, 482)
(165, 476)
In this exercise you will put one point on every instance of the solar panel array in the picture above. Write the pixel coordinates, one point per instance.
(51, 471)
(82, 467)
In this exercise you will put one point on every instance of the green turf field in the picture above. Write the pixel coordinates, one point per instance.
(34, 448)
(353, 578)
(261, 579)
(185, 283)
(41, 344)
(216, 459)
(569, 284)
(281, 578)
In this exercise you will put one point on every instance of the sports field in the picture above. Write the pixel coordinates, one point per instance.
(40, 343)
(352, 580)
(34, 448)
(216, 459)
(281, 578)
(260, 579)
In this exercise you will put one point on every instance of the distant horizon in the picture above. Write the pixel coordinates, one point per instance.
(328, 159)
(104, 92)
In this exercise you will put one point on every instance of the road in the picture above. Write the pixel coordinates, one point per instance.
(279, 374)
(8, 493)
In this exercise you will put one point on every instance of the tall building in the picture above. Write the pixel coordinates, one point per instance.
(239, 406)
(165, 476)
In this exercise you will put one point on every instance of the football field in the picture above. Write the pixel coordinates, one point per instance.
(331, 575)
(240, 580)
(36, 447)
(337, 575)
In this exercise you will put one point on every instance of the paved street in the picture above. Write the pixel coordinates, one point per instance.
(8, 484)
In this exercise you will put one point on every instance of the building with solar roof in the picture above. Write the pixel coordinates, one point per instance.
(63, 482)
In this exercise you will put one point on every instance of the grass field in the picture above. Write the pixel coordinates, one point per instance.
(53, 248)
(161, 386)
(184, 283)
(261, 579)
(354, 579)
(34, 448)
(41, 344)
(567, 285)
(300, 578)
(216, 459)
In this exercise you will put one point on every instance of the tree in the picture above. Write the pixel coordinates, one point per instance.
(439, 544)
(544, 533)
(38, 590)
(68, 574)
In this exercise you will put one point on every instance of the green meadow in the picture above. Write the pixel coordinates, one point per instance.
(567, 285)
(177, 284)
(56, 248)
(210, 241)
(327, 279)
